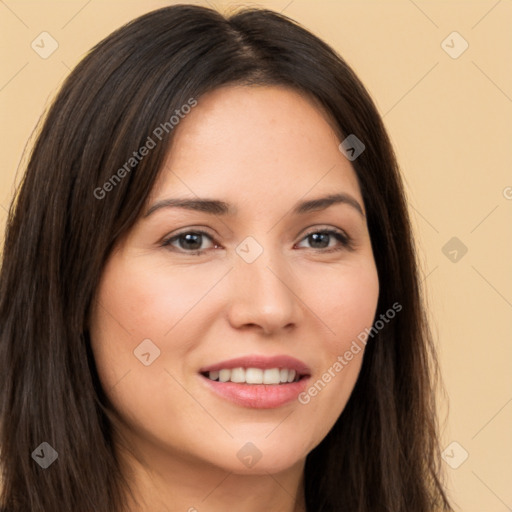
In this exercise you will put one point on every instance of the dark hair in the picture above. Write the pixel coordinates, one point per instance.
(382, 454)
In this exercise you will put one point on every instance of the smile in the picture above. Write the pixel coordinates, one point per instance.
(256, 381)
(254, 375)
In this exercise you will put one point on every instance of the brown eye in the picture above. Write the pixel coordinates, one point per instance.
(321, 239)
(188, 242)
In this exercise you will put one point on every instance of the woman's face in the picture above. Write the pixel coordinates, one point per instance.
(269, 283)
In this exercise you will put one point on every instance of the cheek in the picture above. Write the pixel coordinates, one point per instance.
(139, 302)
(134, 304)
(130, 307)
(345, 301)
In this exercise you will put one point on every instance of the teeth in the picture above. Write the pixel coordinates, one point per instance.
(271, 376)
(224, 375)
(254, 375)
(237, 375)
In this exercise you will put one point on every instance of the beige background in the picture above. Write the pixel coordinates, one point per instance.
(450, 120)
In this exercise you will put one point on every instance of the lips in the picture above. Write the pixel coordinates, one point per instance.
(257, 381)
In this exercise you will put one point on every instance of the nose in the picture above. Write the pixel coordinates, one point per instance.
(263, 295)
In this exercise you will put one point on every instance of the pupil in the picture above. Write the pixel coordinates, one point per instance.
(191, 238)
(316, 237)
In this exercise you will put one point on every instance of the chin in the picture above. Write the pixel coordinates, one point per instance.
(261, 453)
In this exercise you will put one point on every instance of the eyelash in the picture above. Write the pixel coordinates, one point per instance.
(345, 241)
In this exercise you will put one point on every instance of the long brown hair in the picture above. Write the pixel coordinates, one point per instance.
(381, 455)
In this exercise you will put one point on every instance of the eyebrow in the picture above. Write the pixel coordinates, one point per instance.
(217, 207)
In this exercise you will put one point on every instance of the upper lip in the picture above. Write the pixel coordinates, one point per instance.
(259, 361)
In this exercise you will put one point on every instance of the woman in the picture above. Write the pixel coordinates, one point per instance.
(280, 362)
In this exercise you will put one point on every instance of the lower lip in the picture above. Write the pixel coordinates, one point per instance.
(258, 396)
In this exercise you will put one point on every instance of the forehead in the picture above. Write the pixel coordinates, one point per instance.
(256, 143)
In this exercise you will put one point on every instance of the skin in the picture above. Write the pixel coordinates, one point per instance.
(261, 149)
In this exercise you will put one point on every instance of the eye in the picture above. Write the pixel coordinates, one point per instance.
(189, 241)
(320, 240)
